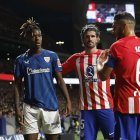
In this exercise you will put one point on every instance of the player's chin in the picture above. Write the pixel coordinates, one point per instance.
(90, 46)
(38, 45)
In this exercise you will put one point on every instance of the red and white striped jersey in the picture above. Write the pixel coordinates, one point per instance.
(126, 53)
(94, 94)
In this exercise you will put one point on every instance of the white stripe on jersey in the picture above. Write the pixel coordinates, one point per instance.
(131, 105)
(80, 80)
(97, 99)
(105, 94)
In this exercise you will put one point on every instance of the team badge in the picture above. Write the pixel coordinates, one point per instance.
(47, 59)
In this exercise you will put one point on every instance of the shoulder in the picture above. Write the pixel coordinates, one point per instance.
(75, 56)
(78, 54)
(123, 41)
(20, 57)
(49, 53)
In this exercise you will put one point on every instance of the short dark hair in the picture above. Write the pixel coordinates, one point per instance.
(29, 26)
(125, 16)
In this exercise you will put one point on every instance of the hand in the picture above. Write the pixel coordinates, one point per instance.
(19, 118)
(102, 59)
(103, 56)
(68, 109)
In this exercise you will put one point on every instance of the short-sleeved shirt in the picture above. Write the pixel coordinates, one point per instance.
(94, 93)
(37, 71)
(125, 59)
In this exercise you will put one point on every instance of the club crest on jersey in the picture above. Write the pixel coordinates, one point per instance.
(47, 59)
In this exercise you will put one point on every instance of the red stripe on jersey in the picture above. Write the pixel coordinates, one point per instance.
(137, 103)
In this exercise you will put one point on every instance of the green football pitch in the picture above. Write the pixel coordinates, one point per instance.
(76, 137)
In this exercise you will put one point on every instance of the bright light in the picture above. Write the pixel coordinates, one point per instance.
(60, 43)
(109, 29)
(10, 83)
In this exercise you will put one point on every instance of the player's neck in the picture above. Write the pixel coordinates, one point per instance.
(36, 51)
(91, 50)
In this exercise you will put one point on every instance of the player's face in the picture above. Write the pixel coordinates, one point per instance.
(118, 29)
(36, 38)
(90, 39)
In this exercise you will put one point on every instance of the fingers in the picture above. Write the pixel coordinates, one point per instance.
(21, 123)
(103, 56)
(20, 120)
(67, 112)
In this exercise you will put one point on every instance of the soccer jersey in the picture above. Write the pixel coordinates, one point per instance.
(37, 71)
(95, 94)
(125, 59)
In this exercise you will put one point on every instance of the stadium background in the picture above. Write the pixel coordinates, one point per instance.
(60, 22)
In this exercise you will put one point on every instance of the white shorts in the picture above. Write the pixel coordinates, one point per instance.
(37, 119)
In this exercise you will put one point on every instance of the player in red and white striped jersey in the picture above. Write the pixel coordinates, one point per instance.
(124, 58)
(95, 97)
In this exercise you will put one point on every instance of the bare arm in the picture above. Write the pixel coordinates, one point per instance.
(18, 87)
(103, 71)
(64, 90)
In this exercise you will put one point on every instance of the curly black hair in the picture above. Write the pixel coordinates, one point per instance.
(29, 26)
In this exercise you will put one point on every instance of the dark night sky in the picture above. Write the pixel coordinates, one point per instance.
(55, 17)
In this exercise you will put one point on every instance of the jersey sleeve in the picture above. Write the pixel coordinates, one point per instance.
(111, 62)
(111, 58)
(68, 65)
(56, 63)
(18, 73)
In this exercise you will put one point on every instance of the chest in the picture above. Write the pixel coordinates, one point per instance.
(87, 64)
(36, 62)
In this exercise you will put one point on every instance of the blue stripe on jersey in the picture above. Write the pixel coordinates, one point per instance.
(37, 71)
(111, 62)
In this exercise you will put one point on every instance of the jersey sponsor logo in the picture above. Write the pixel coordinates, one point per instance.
(58, 63)
(35, 71)
(90, 71)
(47, 59)
(137, 48)
(89, 74)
